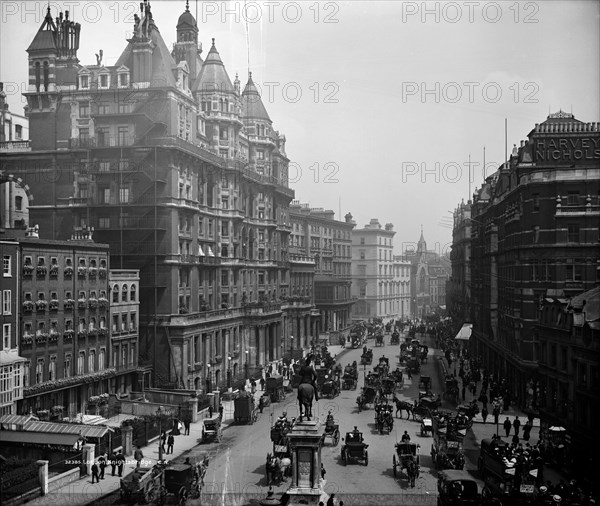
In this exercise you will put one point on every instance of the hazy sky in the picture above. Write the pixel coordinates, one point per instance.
(381, 101)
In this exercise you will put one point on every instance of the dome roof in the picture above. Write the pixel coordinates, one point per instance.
(186, 19)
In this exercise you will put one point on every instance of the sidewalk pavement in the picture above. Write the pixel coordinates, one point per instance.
(82, 491)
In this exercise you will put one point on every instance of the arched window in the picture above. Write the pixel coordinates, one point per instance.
(46, 76)
(115, 294)
(132, 294)
(124, 293)
(38, 76)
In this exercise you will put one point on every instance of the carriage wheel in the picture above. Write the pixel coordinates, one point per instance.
(336, 437)
(394, 463)
(182, 496)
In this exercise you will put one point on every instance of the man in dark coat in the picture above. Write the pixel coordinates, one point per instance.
(113, 463)
(170, 443)
(517, 425)
(102, 465)
(120, 462)
(507, 426)
(95, 473)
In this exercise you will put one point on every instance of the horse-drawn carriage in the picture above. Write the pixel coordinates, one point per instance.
(395, 340)
(274, 388)
(451, 392)
(384, 418)
(354, 448)
(426, 426)
(413, 365)
(447, 448)
(397, 376)
(330, 388)
(383, 367)
(419, 412)
(423, 352)
(171, 484)
(379, 339)
(245, 409)
(367, 396)
(457, 488)
(407, 457)
(332, 430)
(425, 385)
(388, 386)
(372, 380)
(211, 429)
(367, 357)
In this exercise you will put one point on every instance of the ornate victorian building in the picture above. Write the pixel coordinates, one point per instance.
(180, 171)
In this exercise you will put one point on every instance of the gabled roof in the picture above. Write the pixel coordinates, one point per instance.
(45, 37)
(212, 75)
(252, 105)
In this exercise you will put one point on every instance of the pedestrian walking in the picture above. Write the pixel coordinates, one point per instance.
(120, 463)
(221, 409)
(102, 465)
(262, 383)
(484, 413)
(95, 473)
(163, 441)
(261, 404)
(330, 501)
(515, 440)
(186, 424)
(170, 443)
(496, 413)
(516, 425)
(409, 373)
(323, 472)
(527, 430)
(210, 411)
(507, 426)
(113, 463)
(138, 456)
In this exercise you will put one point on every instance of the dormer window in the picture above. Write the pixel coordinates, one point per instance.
(84, 82)
(104, 81)
(123, 79)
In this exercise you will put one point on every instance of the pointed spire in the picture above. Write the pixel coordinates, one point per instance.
(187, 5)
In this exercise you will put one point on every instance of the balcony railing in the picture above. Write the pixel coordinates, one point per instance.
(15, 146)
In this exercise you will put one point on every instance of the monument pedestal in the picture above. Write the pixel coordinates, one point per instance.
(305, 442)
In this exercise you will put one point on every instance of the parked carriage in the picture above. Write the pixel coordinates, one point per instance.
(355, 449)
(274, 388)
(211, 429)
(180, 484)
(143, 485)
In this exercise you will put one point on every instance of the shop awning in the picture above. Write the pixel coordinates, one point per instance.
(15, 420)
(464, 334)
(41, 438)
(87, 431)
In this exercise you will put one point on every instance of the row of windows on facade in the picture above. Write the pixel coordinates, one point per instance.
(556, 356)
(121, 322)
(41, 261)
(103, 136)
(384, 255)
(383, 241)
(396, 289)
(103, 80)
(249, 277)
(124, 356)
(123, 293)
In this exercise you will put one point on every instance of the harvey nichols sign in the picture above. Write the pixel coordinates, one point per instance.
(569, 149)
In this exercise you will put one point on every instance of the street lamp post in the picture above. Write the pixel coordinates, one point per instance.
(208, 378)
(229, 371)
(246, 364)
(159, 414)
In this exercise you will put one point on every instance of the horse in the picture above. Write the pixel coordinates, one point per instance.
(412, 471)
(403, 406)
(306, 394)
(277, 468)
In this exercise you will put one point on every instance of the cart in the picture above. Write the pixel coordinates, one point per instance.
(245, 410)
(141, 486)
(395, 338)
(425, 383)
(379, 339)
(388, 386)
(451, 392)
(274, 388)
(367, 396)
(413, 365)
(354, 449)
(366, 358)
(211, 429)
(384, 417)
